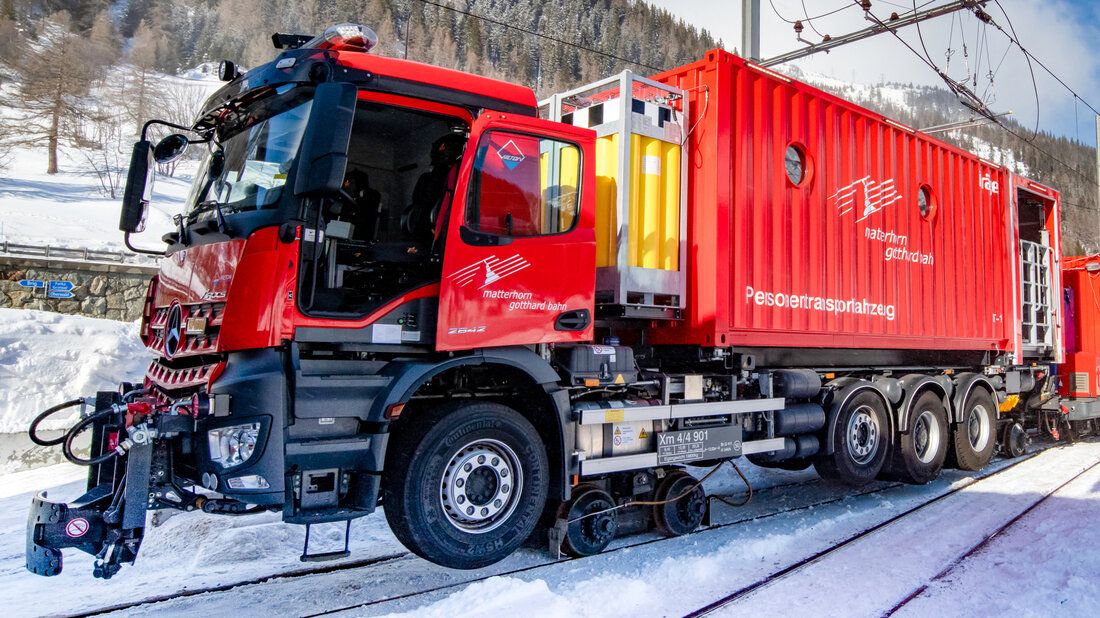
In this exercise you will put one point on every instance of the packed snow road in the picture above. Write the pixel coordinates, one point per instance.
(640, 575)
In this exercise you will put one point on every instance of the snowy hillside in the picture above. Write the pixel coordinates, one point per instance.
(910, 104)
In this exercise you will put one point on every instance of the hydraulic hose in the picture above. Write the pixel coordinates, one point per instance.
(67, 447)
(33, 431)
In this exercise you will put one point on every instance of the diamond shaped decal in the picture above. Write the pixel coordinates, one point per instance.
(511, 155)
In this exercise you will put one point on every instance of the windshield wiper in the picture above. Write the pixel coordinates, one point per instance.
(218, 215)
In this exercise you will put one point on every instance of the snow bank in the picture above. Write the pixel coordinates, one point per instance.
(48, 358)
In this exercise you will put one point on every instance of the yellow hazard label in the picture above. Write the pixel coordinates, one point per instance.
(618, 432)
(613, 416)
(642, 435)
(619, 379)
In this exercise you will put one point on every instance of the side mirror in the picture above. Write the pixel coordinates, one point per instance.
(227, 71)
(139, 188)
(170, 148)
(323, 158)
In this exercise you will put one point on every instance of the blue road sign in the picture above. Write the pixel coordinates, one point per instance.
(31, 283)
(59, 293)
(60, 286)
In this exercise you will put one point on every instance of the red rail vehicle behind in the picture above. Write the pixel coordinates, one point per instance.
(396, 285)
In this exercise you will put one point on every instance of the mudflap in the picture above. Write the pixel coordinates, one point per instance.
(107, 522)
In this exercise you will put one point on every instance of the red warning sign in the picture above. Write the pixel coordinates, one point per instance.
(77, 527)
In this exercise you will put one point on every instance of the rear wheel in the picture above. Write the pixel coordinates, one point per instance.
(920, 451)
(974, 438)
(860, 438)
(465, 484)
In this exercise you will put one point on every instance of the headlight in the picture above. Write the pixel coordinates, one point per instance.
(233, 445)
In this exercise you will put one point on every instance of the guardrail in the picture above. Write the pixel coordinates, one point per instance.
(101, 256)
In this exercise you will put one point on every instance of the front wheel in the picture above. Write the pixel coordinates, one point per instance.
(465, 484)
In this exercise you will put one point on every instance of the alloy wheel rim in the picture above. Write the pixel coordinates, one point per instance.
(481, 486)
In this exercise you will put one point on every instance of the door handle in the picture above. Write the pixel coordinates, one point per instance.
(575, 320)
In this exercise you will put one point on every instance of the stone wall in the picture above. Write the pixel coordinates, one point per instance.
(112, 291)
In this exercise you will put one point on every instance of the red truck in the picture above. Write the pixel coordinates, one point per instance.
(398, 285)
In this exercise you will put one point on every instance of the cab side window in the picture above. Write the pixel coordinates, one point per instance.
(523, 185)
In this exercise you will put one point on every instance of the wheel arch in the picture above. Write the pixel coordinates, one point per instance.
(914, 385)
(840, 392)
(550, 414)
(965, 383)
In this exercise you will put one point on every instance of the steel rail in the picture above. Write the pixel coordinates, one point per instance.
(379, 561)
(805, 562)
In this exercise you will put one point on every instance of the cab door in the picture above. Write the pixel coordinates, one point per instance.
(519, 262)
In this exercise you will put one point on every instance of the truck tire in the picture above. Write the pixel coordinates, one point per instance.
(860, 440)
(920, 451)
(465, 484)
(975, 435)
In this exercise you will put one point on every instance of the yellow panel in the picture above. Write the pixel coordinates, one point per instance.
(651, 202)
(544, 186)
(653, 232)
(607, 188)
(570, 181)
(670, 221)
(634, 235)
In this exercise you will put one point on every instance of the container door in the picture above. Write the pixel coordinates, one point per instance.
(520, 252)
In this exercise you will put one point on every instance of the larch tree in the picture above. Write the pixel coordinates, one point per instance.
(55, 76)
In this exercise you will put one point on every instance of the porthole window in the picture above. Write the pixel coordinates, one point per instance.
(926, 202)
(796, 164)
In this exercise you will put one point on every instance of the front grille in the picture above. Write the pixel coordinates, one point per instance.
(191, 344)
(196, 362)
(170, 384)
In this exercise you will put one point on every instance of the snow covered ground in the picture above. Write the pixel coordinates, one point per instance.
(48, 358)
(67, 209)
(1044, 565)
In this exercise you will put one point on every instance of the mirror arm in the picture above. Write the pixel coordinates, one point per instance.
(145, 127)
(145, 251)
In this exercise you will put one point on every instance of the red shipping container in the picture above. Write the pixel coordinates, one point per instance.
(843, 252)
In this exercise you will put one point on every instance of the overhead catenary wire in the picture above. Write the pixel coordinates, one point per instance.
(981, 108)
(807, 18)
(538, 34)
(810, 22)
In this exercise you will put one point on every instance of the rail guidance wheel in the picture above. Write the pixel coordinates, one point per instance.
(592, 524)
(465, 484)
(682, 515)
(974, 437)
(922, 449)
(860, 440)
(1014, 441)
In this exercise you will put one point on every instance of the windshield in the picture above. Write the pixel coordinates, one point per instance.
(251, 154)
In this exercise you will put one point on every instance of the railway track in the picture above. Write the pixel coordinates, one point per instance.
(801, 565)
(981, 545)
(367, 565)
